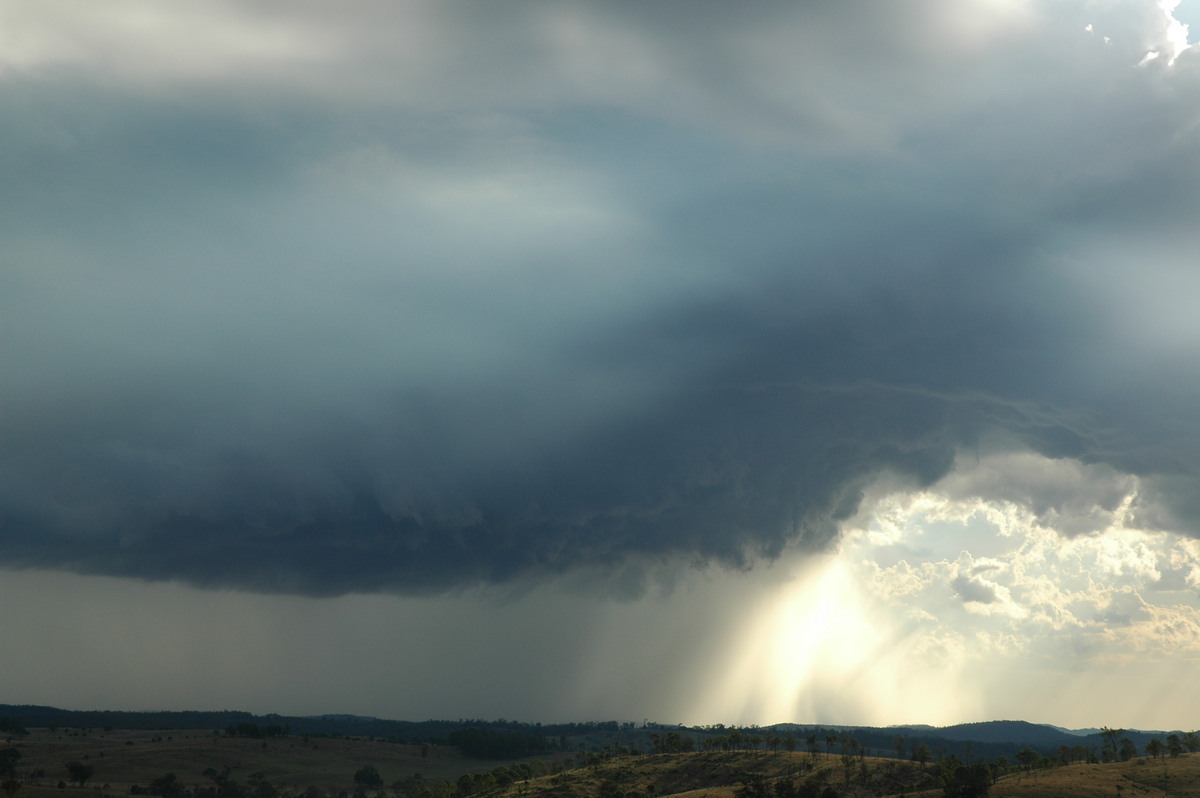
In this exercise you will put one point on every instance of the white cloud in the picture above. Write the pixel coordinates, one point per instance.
(897, 581)
(1077, 602)
(146, 43)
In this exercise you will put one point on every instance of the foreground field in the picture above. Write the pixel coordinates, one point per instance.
(122, 759)
(1142, 777)
(130, 762)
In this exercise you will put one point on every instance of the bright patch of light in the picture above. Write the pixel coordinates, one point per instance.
(1177, 31)
(1014, 569)
(824, 650)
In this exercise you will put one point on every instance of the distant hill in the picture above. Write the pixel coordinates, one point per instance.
(45, 717)
(970, 741)
(1076, 732)
(1008, 731)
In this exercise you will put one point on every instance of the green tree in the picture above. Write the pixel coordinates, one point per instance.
(1064, 755)
(12, 726)
(755, 786)
(1174, 745)
(166, 785)
(503, 776)
(79, 772)
(847, 765)
(973, 781)
(849, 744)
(922, 754)
(1110, 743)
(1128, 749)
(8, 762)
(1027, 756)
(368, 776)
(610, 789)
(1155, 747)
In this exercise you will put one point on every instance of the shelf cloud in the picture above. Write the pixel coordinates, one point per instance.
(439, 297)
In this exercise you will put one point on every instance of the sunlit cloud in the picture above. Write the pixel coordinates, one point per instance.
(935, 594)
(1177, 31)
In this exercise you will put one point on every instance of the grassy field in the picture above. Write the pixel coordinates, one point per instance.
(720, 775)
(122, 759)
(1141, 777)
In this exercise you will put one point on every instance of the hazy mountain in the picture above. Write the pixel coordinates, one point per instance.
(974, 741)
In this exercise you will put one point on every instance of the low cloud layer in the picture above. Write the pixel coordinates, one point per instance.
(435, 298)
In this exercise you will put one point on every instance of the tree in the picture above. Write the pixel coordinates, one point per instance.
(849, 744)
(79, 772)
(922, 754)
(8, 762)
(847, 764)
(368, 776)
(610, 789)
(1174, 745)
(12, 726)
(811, 741)
(1064, 755)
(166, 785)
(973, 781)
(1027, 756)
(1110, 738)
(1155, 748)
(755, 786)
(900, 744)
(1128, 749)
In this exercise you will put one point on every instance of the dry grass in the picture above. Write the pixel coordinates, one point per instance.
(1138, 778)
(717, 775)
(707, 775)
(121, 759)
(124, 758)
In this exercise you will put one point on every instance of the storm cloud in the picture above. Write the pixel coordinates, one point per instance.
(441, 296)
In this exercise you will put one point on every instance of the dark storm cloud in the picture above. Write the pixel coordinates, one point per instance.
(502, 322)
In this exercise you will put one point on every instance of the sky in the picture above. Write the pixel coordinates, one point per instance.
(686, 362)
